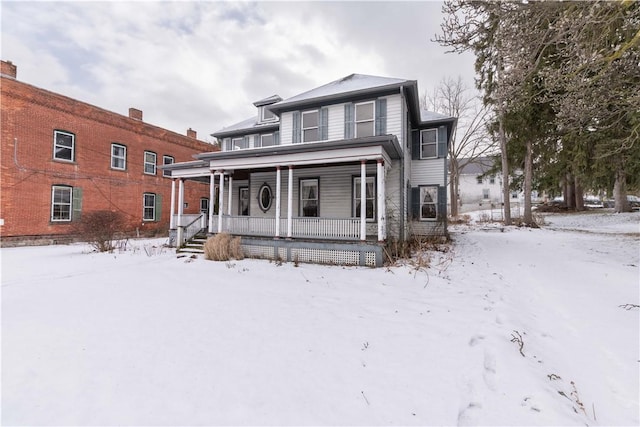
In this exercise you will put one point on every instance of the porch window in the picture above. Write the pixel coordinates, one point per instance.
(309, 197)
(64, 146)
(150, 162)
(429, 144)
(428, 202)
(370, 197)
(364, 119)
(61, 203)
(243, 204)
(264, 197)
(149, 207)
(167, 160)
(118, 157)
(310, 126)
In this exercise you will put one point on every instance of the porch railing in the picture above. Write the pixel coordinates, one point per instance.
(319, 228)
(190, 229)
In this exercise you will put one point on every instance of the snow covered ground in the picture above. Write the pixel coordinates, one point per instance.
(509, 327)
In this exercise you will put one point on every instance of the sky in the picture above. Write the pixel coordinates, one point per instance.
(201, 65)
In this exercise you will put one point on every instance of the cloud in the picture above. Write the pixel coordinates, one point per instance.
(203, 64)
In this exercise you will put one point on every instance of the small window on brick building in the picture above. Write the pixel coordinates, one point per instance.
(150, 162)
(118, 156)
(61, 203)
(64, 146)
(167, 160)
(151, 206)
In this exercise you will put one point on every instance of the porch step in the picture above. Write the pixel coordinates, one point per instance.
(195, 245)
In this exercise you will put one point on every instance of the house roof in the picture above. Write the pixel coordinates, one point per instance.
(476, 166)
(343, 88)
(267, 101)
(250, 124)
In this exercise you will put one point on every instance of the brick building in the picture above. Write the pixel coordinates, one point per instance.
(62, 158)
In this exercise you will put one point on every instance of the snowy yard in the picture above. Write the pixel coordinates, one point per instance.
(142, 337)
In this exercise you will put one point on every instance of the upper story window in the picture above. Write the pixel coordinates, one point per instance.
(479, 179)
(429, 143)
(64, 146)
(118, 156)
(310, 126)
(365, 119)
(267, 140)
(237, 144)
(149, 163)
(167, 160)
(492, 179)
(266, 115)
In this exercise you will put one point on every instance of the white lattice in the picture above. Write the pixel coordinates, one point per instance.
(326, 256)
(370, 259)
(254, 251)
(282, 253)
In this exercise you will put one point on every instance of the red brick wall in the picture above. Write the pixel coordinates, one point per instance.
(29, 117)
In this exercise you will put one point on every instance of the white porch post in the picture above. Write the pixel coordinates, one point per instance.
(290, 203)
(363, 200)
(381, 202)
(172, 212)
(278, 182)
(212, 196)
(180, 211)
(220, 201)
(230, 200)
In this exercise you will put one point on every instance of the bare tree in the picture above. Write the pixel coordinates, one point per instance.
(470, 139)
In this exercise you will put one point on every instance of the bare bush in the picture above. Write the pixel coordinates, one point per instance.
(101, 229)
(223, 247)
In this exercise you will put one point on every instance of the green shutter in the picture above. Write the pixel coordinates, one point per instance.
(76, 203)
(414, 201)
(442, 142)
(442, 203)
(415, 145)
(158, 208)
(381, 116)
(324, 123)
(348, 121)
(296, 127)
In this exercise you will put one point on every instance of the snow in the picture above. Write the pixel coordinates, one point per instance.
(141, 337)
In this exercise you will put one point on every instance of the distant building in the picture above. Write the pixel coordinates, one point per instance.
(62, 158)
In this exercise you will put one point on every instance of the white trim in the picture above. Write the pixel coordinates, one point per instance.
(72, 148)
(167, 173)
(145, 206)
(363, 200)
(53, 202)
(155, 161)
(435, 143)
(278, 182)
(372, 120)
(123, 157)
(290, 203)
(172, 221)
(212, 196)
(220, 201)
(230, 198)
(316, 127)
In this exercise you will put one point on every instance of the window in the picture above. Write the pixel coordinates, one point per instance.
(149, 207)
(309, 192)
(61, 198)
(149, 163)
(492, 180)
(429, 143)
(63, 146)
(370, 197)
(244, 201)
(267, 140)
(264, 197)
(310, 126)
(428, 202)
(479, 179)
(267, 115)
(485, 194)
(365, 119)
(239, 143)
(514, 194)
(167, 160)
(204, 205)
(118, 157)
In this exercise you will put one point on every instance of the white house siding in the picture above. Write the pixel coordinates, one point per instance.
(394, 117)
(426, 228)
(393, 193)
(336, 122)
(427, 172)
(286, 128)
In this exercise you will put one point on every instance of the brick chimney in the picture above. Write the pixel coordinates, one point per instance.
(8, 69)
(192, 133)
(135, 114)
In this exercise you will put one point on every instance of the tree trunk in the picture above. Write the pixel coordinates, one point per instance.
(579, 194)
(505, 170)
(620, 190)
(453, 187)
(570, 194)
(528, 179)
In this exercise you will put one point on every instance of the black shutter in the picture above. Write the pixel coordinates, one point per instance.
(415, 145)
(442, 142)
(381, 116)
(324, 123)
(442, 203)
(349, 121)
(415, 203)
(295, 137)
(276, 138)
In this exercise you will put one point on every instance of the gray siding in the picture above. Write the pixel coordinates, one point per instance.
(427, 172)
(286, 127)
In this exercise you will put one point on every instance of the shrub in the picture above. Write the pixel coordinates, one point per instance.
(100, 229)
(223, 247)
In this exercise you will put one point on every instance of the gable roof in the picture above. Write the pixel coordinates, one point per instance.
(267, 101)
(477, 166)
(346, 87)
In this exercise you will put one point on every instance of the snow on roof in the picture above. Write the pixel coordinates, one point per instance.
(477, 166)
(350, 83)
(431, 116)
(248, 124)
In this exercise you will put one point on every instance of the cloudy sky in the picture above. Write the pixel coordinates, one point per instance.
(202, 64)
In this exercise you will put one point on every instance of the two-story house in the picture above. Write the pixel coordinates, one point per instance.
(330, 175)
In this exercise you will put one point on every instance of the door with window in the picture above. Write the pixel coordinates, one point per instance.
(204, 206)
(243, 205)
